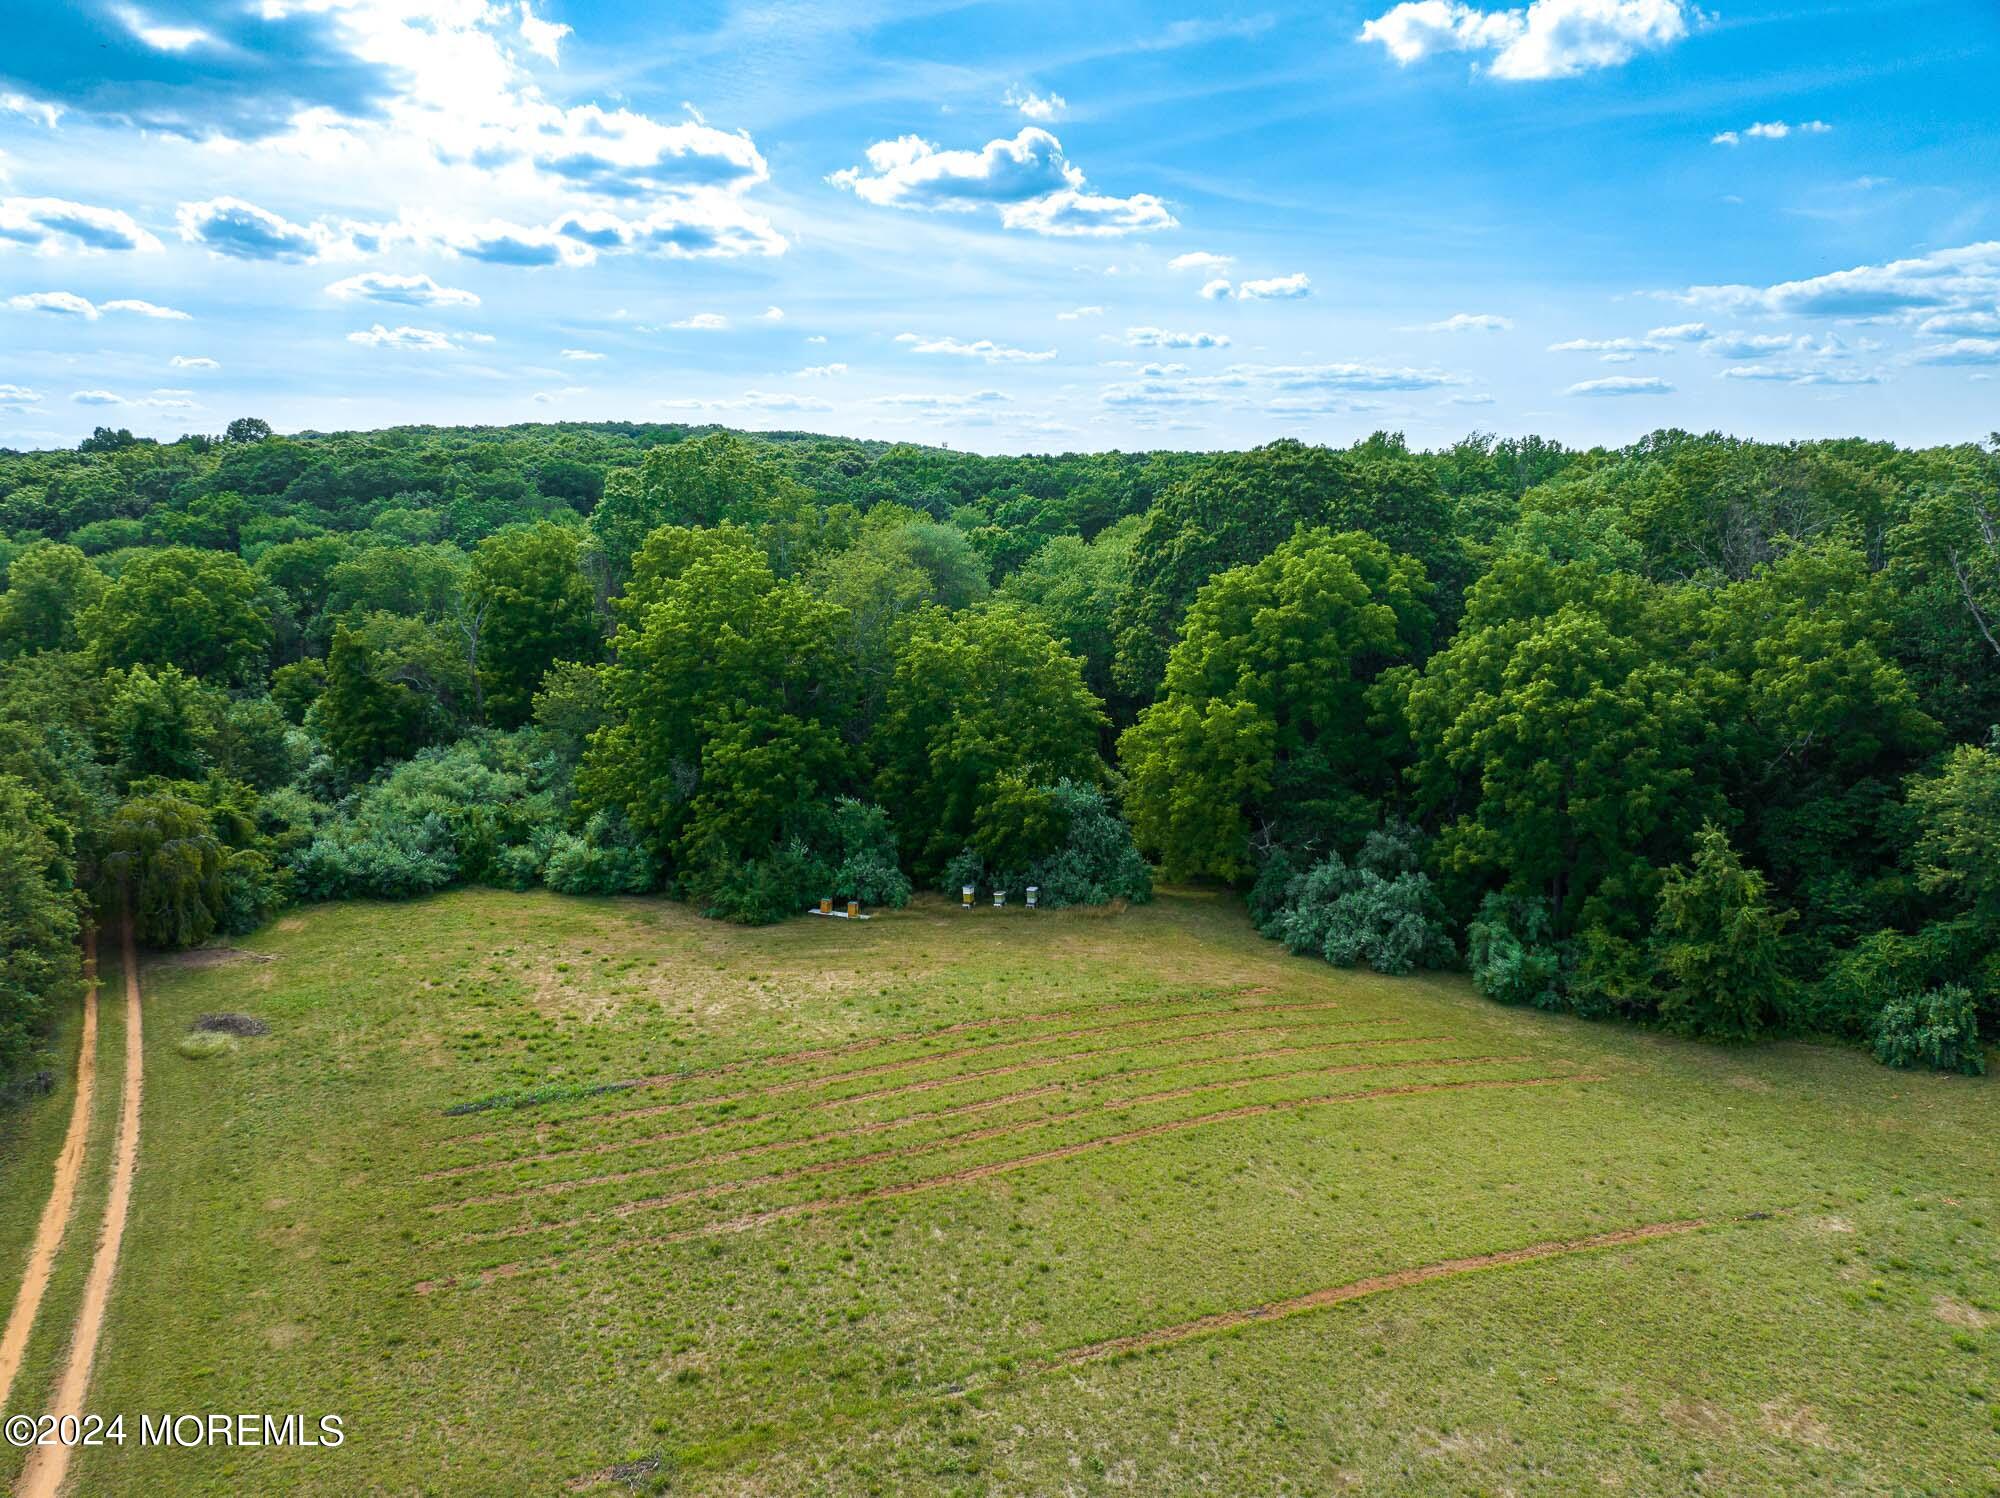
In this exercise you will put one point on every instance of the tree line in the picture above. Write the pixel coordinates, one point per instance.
(1698, 732)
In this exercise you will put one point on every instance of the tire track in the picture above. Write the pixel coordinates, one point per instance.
(1400, 1279)
(752, 1220)
(42, 1477)
(49, 1232)
(780, 1089)
(855, 1047)
(614, 1146)
(934, 1146)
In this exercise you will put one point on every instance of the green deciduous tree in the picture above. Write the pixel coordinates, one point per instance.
(163, 855)
(723, 704)
(180, 606)
(38, 919)
(364, 720)
(976, 696)
(49, 587)
(537, 609)
(1265, 727)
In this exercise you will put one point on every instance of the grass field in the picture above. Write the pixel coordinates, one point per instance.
(1020, 1203)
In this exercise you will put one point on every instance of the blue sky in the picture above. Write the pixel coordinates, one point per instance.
(1008, 227)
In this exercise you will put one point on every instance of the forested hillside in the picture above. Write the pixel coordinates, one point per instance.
(1698, 732)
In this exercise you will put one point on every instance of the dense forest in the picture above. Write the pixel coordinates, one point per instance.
(1698, 733)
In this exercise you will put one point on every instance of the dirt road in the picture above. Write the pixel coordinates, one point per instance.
(47, 1465)
(62, 1194)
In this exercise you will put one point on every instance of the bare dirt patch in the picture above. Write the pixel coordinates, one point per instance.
(1957, 1313)
(1791, 1421)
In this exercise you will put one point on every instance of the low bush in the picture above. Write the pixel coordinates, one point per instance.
(1937, 1028)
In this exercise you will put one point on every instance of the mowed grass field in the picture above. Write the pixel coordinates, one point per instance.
(996, 1202)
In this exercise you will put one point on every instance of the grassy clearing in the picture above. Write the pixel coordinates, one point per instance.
(950, 1202)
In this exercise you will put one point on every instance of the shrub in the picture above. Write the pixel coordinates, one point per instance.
(1379, 910)
(605, 860)
(1720, 944)
(1094, 859)
(1513, 955)
(1937, 1028)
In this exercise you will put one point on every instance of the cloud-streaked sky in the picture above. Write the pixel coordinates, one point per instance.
(1004, 226)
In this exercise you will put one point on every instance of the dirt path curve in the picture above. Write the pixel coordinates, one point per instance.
(47, 1465)
(62, 1195)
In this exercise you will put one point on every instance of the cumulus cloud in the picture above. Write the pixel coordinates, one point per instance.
(96, 398)
(62, 303)
(53, 225)
(69, 304)
(233, 229)
(1770, 130)
(771, 314)
(1038, 107)
(1549, 39)
(1216, 290)
(1164, 338)
(1969, 323)
(984, 348)
(1609, 346)
(140, 308)
(1467, 322)
(1027, 179)
(543, 38)
(1200, 260)
(1622, 385)
(402, 291)
(1946, 279)
(18, 398)
(405, 339)
(1962, 351)
(1275, 288)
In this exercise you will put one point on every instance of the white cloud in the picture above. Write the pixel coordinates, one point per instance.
(62, 303)
(413, 340)
(550, 397)
(1942, 281)
(52, 225)
(146, 309)
(1038, 107)
(1967, 324)
(1480, 398)
(1216, 290)
(184, 361)
(1609, 346)
(1622, 385)
(1027, 178)
(69, 304)
(96, 398)
(984, 348)
(1962, 351)
(233, 229)
(18, 398)
(1467, 322)
(946, 403)
(405, 291)
(1771, 130)
(771, 314)
(543, 38)
(582, 355)
(754, 402)
(1777, 374)
(703, 322)
(1681, 332)
(1163, 338)
(161, 38)
(1278, 288)
(1200, 260)
(1549, 39)
(42, 114)
(820, 372)
(1078, 312)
